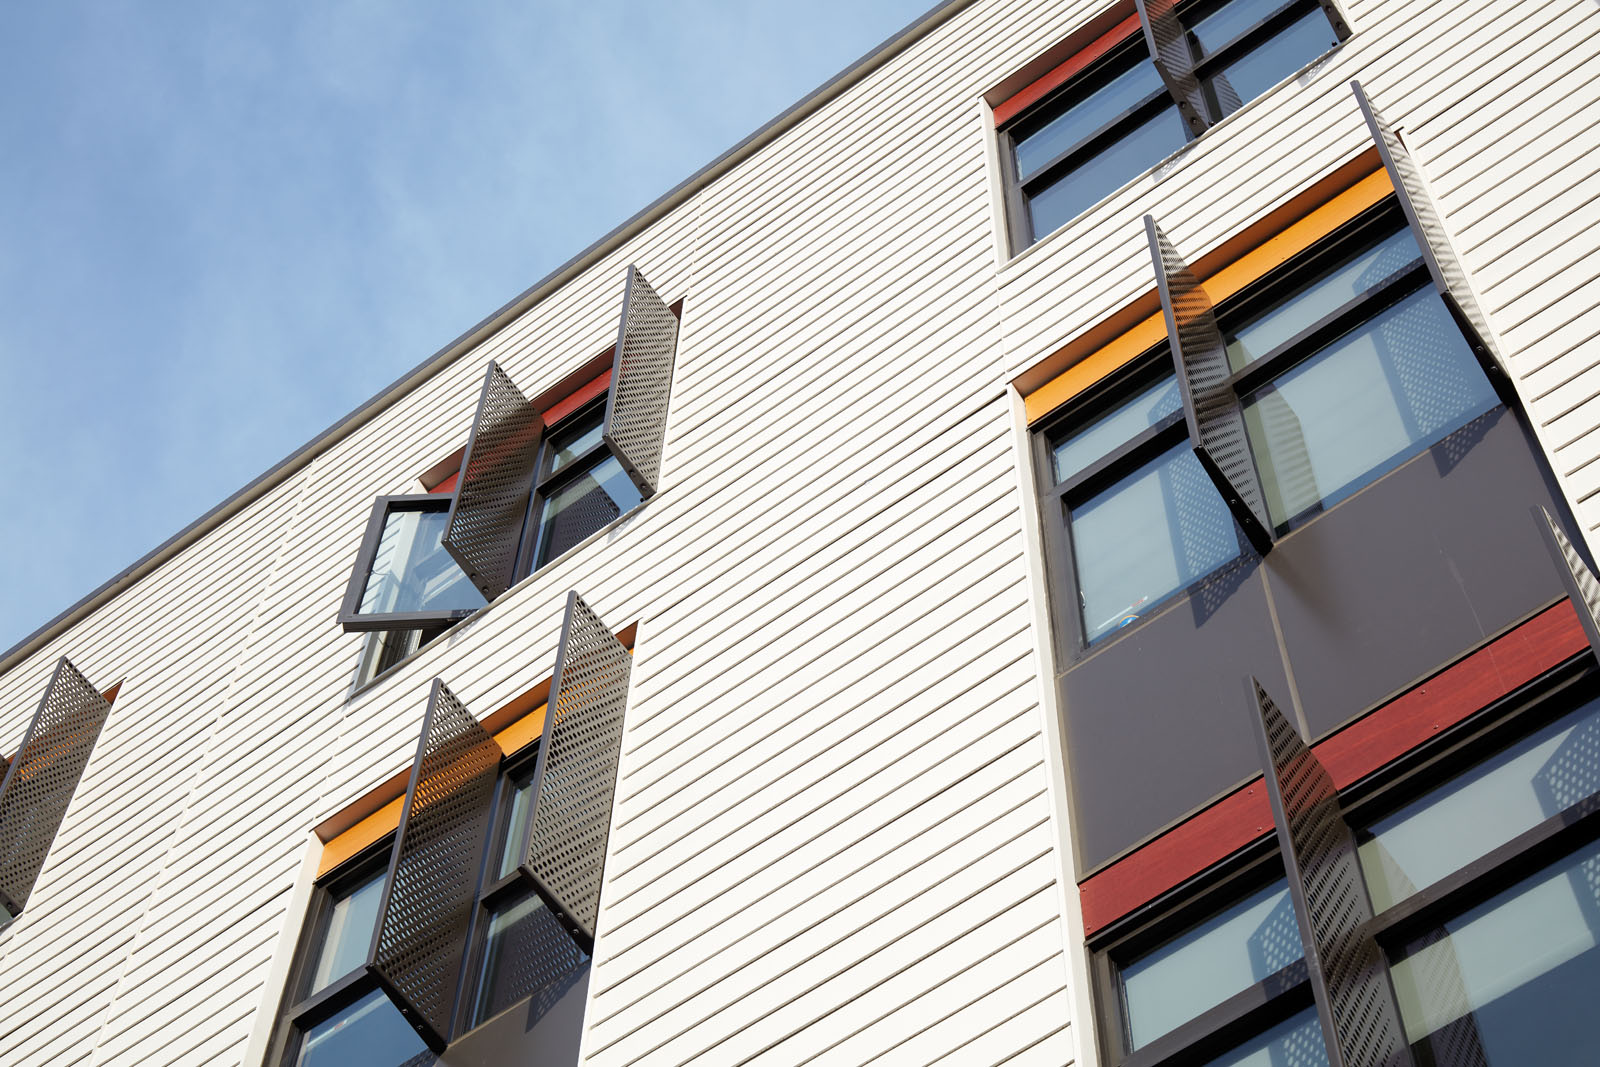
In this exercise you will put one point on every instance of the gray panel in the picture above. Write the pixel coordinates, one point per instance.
(497, 472)
(1200, 359)
(1169, 48)
(1147, 747)
(1349, 975)
(1335, 12)
(421, 935)
(1411, 189)
(576, 776)
(40, 781)
(1405, 576)
(641, 382)
(546, 1033)
(1582, 587)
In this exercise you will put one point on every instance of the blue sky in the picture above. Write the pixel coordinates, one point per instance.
(223, 226)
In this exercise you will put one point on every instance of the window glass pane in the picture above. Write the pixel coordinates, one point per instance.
(1295, 1042)
(516, 819)
(1147, 537)
(1270, 62)
(527, 952)
(1341, 283)
(572, 440)
(584, 505)
(349, 936)
(1381, 393)
(369, 1033)
(411, 571)
(1073, 453)
(1225, 23)
(1483, 807)
(1098, 177)
(1226, 954)
(1037, 144)
(1513, 980)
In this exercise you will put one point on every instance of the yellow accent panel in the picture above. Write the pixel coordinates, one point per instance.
(1224, 283)
(522, 733)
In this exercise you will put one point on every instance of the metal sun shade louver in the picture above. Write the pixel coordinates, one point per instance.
(41, 778)
(1169, 49)
(1582, 586)
(575, 779)
(641, 382)
(484, 530)
(1200, 360)
(419, 943)
(1349, 973)
(1449, 276)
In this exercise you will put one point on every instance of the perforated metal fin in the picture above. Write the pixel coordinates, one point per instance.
(1449, 276)
(497, 472)
(40, 780)
(1349, 975)
(1169, 49)
(575, 779)
(433, 871)
(1583, 588)
(641, 382)
(1200, 359)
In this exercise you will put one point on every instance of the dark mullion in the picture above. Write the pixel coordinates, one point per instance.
(332, 998)
(1328, 329)
(1050, 172)
(1123, 460)
(1205, 66)
(1242, 1016)
(1515, 861)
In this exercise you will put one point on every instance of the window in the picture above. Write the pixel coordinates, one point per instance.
(1335, 369)
(470, 926)
(536, 478)
(41, 778)
(1480, 854)
(1109, 113)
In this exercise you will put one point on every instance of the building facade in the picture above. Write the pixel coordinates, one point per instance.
(1071, 545)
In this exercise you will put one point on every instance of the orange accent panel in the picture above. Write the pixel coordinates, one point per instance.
(1512, 660)
(1064, 72)
(1224, 283)
(523, 732)
(366, 832)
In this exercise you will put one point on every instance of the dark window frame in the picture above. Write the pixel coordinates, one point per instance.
(350, 615)
(1488, 731)
(1271, 289)
(1019, 189)
(546, 484)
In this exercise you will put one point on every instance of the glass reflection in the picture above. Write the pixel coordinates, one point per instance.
(583, 505)
(1104, 435)
(349, 936)
(369, 1033)
(516, 820)
(1483, 808)
(412, 572)
(1125, 91)
(1107, 171)
(1209, 963)
(1269, 63)
(1295, 1042)
(572, 441)
(527, 953)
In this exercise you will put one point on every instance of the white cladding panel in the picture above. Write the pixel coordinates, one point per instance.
(834, 837)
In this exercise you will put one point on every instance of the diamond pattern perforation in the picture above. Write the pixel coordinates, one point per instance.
(1200, 358)
(538, 956)
(641, 382)
(1412, 189)
(1319, 851)
(497, 472)
(434, 870)
(45, 773)
(581, 517)
(1582, 586)
(577, 772)
(1169, 48)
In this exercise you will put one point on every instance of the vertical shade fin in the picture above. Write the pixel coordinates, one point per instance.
(641, 382)
(491, 498)
(1583, 588)
(1200, 359)
(1349, 974)
(1427, 224)
(1174, 60)
(420, 941)
(576, 777)
(42, 776)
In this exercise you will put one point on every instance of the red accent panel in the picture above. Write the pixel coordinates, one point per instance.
(1512, 660)
(448, 485)
(576, 399)
(1031, 94)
